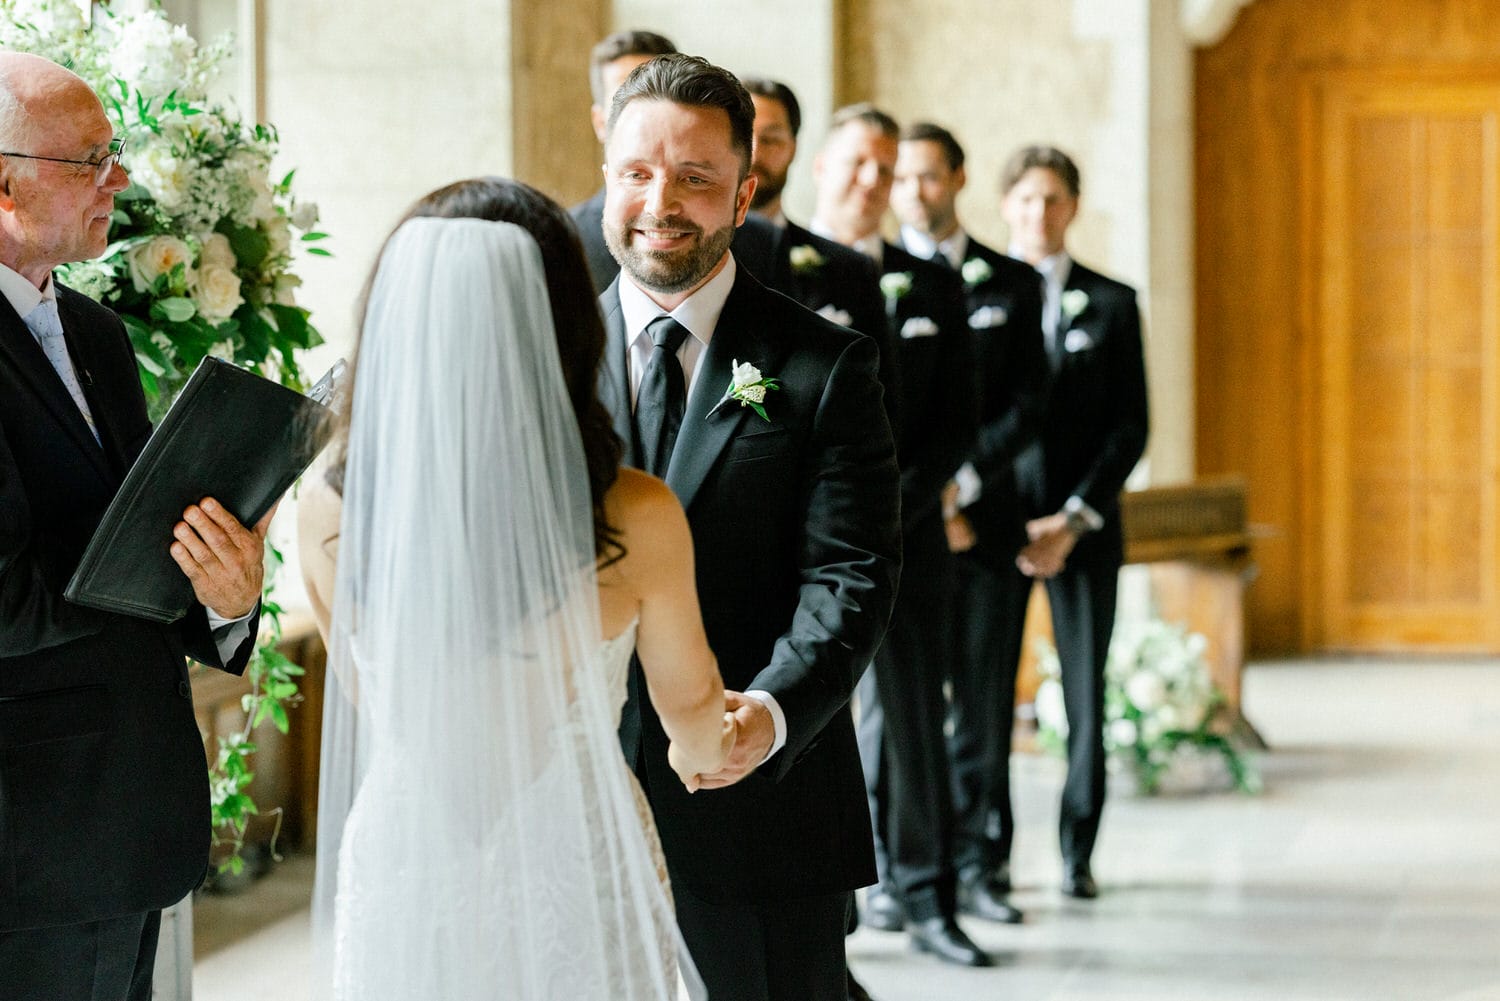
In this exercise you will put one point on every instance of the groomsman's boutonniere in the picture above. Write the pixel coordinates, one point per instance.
(748, 387)
(894, 285)
(805, 259)
(976, 271)
(1074, 301)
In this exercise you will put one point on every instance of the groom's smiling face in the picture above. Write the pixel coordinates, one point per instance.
(675, 190)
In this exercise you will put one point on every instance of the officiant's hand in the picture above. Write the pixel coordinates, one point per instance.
(224, 560)
(757, 732)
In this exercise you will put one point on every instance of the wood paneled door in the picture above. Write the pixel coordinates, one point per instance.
(1404, 226)
(1348, 316)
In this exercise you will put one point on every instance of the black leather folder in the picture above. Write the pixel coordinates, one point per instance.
(231, 435)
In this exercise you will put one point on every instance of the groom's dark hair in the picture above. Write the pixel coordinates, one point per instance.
(697, 83)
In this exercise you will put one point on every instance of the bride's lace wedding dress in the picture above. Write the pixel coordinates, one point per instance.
(548, 915)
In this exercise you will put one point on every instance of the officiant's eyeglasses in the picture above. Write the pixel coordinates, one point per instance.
(102, 166)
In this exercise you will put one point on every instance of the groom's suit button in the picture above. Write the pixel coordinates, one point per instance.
(184, 690)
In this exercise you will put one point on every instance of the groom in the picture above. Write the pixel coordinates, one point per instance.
(795, 528)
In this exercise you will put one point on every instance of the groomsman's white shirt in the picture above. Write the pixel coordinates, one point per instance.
(699, 314)
(872, 245)
(953, 249)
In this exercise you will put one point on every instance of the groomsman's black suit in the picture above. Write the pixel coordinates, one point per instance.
(902, 704)
(797, 544)
(103, 797)
(844, 287)
(1005, 317)
(1093, 434)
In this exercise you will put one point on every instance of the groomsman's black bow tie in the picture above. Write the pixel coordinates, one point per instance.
(663, 396)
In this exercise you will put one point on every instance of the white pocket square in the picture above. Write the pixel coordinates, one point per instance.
(988, 317)
(839, 316)
(918, 326)
(1077, 340)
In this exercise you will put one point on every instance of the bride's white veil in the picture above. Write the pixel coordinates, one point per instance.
(477, 835)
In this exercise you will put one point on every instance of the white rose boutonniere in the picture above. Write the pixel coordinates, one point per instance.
(894, 285)
(748, 388)
(976, 271)
(805, 259)
(1074, 302)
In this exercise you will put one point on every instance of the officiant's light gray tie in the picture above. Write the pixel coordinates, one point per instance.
(662, 397)
(46, 327)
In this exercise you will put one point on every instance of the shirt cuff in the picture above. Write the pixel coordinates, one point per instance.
(777, 717)
(969, 484)
(228, 634)
(1076, 506)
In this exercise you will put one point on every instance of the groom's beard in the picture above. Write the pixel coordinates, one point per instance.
(667, 271)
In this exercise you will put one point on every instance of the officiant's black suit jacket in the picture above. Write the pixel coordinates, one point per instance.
(796, 536)
(1096, 420)
(103, 791)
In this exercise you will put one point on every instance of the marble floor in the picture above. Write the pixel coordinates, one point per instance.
(1368, 870)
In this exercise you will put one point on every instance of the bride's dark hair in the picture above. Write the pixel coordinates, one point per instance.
(575, 315)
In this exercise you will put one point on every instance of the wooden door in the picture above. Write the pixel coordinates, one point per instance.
(1403, 225)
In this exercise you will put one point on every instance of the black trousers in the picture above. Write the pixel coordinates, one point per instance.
(98, 961)
(902, 713)
(792, 950)
(990, 612)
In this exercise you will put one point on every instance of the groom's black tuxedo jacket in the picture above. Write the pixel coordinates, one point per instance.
(1096, 421)
(796, 537)
(103, 792)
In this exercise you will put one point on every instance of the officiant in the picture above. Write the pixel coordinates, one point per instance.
(104, 813)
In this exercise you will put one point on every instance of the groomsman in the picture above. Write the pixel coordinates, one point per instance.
(902, 704)
(611, 61)
(1093, 433)
(982, 509)
(826, 277)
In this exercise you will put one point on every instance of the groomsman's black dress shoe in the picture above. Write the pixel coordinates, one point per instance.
(1079, 882)
(942, 937)
(883, 912)
(986, 899)
(857, 990)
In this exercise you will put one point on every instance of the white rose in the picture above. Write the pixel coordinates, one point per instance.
(745, 374)
(1051, 712)
(305, 216)
(1146, 691)
(1074, 301)
(158, 256)
(1123, 733)
(159, 172)
(224, 350)
(279, 235)
(284, 290)
(1168, 717)
(216, 252)
(217, 294)
(262, 207)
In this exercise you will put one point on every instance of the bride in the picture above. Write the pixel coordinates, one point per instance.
(479, 835)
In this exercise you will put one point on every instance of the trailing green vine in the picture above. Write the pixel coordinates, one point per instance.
(273, 689)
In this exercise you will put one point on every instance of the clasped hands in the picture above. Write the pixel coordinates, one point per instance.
(224, 560)
(749, 733)
(1051, 544)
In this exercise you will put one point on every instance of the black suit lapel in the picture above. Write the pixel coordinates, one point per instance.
(28, 358)
(707, 428)
(614, 374)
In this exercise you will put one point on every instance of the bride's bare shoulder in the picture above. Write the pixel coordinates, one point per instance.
(646, 513)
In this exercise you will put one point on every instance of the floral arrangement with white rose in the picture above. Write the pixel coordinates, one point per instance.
(199, 262)
(1160, 706)
(200, 255)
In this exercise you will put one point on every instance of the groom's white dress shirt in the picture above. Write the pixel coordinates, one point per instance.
(699, 314)
(37, 309)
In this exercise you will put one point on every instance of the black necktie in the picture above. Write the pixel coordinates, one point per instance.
(662, 397)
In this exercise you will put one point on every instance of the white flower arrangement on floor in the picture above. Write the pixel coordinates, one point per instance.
(1159, 708)
(200, 254)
